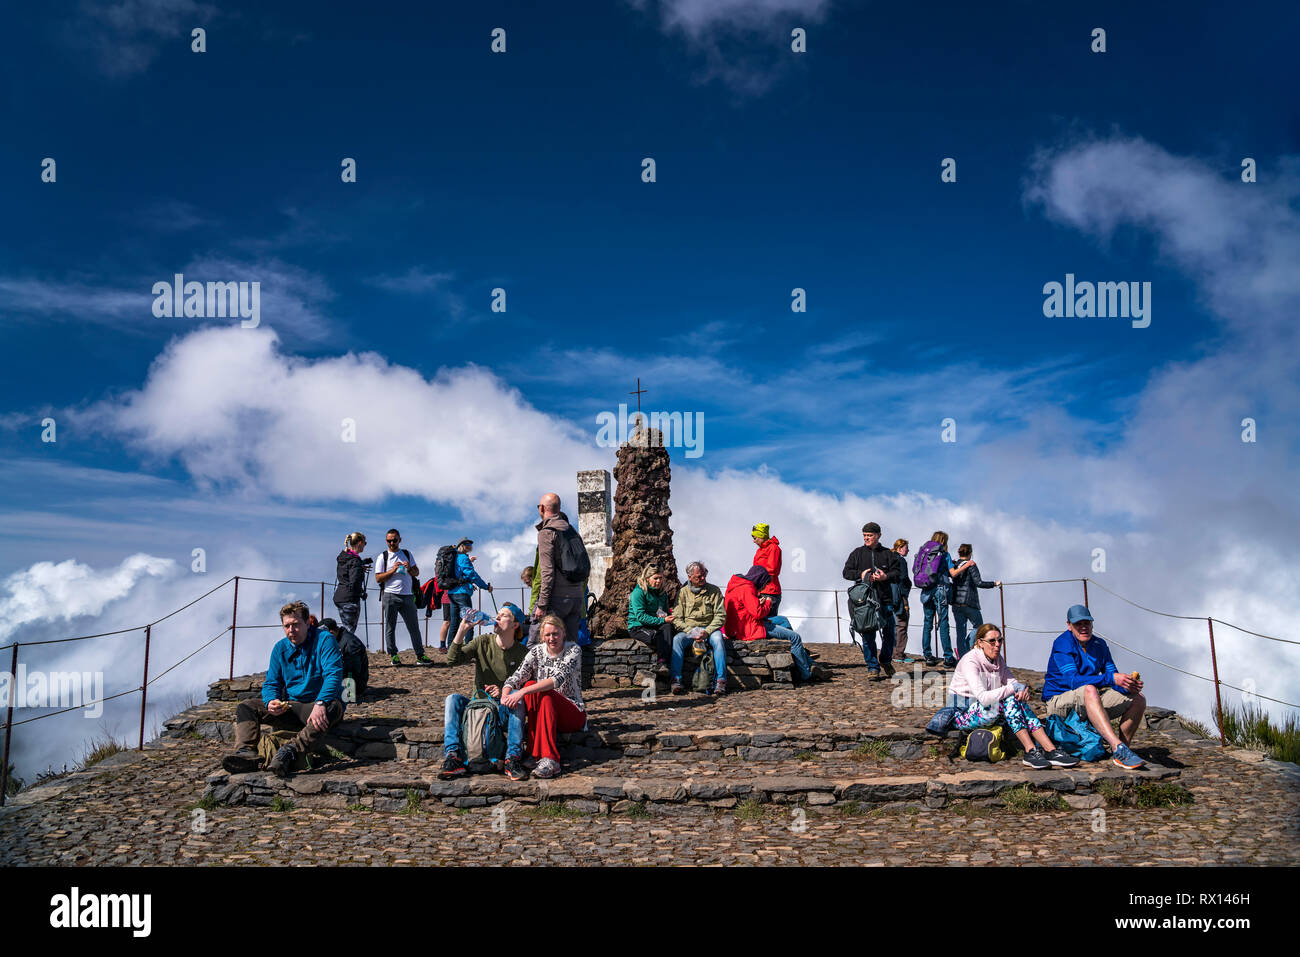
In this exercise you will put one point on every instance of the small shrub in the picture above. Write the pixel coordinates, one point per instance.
(934, 750)
(413, 803)
(1024, 800)
(281, 804)
(873, 749)
(750, 810)
(1249, 726)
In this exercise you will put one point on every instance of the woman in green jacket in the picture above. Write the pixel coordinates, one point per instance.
(649, 618)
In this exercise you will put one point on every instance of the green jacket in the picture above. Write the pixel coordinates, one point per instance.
(706, 610)
(492, 665)
(646, 609)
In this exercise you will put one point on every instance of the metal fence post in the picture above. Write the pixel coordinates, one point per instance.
(837, 616)
(1218, 701)
(234, 616)
(144, 686)
(1002, 608)
(9, 726)
(1085, 591)
(322, 601)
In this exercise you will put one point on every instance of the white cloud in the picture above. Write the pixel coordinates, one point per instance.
(126, 36)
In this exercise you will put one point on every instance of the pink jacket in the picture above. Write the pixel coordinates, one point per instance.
(988, 682)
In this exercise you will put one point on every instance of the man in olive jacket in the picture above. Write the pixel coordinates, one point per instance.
(700, 614)
(556, 595)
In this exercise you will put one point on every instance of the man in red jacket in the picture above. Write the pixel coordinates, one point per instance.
(745, 621)
(768, 554)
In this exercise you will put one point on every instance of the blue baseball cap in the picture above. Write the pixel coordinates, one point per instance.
(514, 610)
(1078, 613)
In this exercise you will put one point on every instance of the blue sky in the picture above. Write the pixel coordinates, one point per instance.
(774, 171)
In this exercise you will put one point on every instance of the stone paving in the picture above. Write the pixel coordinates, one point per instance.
(143, 807)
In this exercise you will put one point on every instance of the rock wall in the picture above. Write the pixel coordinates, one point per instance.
(627, 663)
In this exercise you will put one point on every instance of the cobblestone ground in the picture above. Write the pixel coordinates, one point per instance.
(141, 811)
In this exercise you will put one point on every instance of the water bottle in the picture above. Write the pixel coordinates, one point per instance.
(350, 689)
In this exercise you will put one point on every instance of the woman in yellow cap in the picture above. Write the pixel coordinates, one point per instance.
(768, 555)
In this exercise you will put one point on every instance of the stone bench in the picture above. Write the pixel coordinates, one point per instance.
(628, 663)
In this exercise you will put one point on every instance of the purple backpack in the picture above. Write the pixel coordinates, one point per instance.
(926, 565)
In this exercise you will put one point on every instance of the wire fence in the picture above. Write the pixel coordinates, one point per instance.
(234, 626)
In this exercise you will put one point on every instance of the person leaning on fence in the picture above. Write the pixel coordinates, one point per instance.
(873, 562)
(549, 685)
(496, 654)
(393, 571)
(767, 552)
(966, 582)
(747, 621)
(699, 616)
(992, 694)
(1082, 677)
(303, 690)
(902, 608)
(351, 578)
(649, 619)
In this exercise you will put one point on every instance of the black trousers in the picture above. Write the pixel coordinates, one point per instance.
(660, 639)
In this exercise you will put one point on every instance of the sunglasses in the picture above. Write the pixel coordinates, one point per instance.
(991, 641)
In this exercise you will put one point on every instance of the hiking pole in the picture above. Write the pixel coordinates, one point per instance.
(365, 605)
(494, 601)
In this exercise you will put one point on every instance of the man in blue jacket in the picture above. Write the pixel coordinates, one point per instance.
(1081, 676)
(303, 689)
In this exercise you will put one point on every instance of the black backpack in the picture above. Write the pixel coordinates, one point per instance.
(356, 662)
(444, 568)
(572, 559)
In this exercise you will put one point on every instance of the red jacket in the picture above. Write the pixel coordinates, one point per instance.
(743, 623)
(769, 556)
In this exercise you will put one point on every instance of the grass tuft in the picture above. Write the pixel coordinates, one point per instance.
(1024, 800)
(97, 749)
(750, 810)
(554, 809)
(638, 809)
(1249, 726)
(281, 804)
(1143, 794)
(413, 803)
(873, 749)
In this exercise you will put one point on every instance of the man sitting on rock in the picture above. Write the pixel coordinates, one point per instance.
(1082, 677)
(303, 690)
(700, 615)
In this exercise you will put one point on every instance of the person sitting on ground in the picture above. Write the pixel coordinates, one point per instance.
(649, 619)
(767, 552)
(303, 690)
(994, 695)
(873, 562)
(1082, 677)
(966, 600)
(746, 622)
(496, 654)
(700, 614)
(549, 684)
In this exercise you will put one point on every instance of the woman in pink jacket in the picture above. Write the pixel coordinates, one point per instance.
(992, 695)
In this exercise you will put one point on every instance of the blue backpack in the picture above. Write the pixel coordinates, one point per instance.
(1076, 736)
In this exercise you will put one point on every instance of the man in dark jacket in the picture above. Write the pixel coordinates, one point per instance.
(882, 567)
(556, 595)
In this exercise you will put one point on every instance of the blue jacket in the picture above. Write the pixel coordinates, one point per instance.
(312, 671)
(468, 577)
(1074, 664)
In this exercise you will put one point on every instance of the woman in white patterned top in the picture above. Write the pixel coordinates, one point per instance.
(549, 683)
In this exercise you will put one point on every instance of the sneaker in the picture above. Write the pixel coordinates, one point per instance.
(888, 667)
(677, 688)
(424, 659)
(396, 661)
(243, 761)
(930, 661)
(950, 662)
(1059, 759)
(452, 767)
(874, 674)
(282, 763)
(547, 768)
(1036, 759)
(514, 769)
(719, 688)
(1126, 759)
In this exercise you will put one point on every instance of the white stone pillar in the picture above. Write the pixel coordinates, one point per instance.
(595, 510)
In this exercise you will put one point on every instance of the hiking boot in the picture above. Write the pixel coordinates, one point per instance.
(424, 659)
(661, 668)
(719, 687)
(1126, 759)
(874, 674)
(1059, 759)
(397, 662)
(281, 765)
(888, 667)
(547, 768)
(514, 769)
(1036, 759)
(677, 688)
(819, 673)
(243, 761)
(950, 662)
(452, 767)
(930, 661)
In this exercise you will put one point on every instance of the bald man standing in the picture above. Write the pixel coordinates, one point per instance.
(556, 595)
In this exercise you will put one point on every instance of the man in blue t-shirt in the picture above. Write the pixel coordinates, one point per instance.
(1081, 677)
(303, 689)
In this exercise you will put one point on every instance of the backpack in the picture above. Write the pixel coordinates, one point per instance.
(572, 560)
(269, 742)
(864, 607)
(444, 568)
(483, 732)
(356, 660)
(984, 744)
(925, 568)
(1076, 736)
(706, 672)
